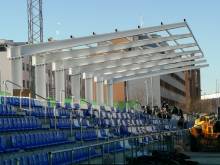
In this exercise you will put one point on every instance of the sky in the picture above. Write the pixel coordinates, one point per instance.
(63, 18)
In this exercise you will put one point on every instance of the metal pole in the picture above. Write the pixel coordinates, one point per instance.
(5, 93)
(152, 94)
(21, 90)
(30, 104)
(147, 94)
(71, 122)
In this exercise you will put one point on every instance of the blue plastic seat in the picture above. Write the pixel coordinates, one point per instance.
(78, 135)
(1, 109)
(6, 124)
(2, 143)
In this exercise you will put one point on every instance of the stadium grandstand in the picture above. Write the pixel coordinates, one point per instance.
(87, 130)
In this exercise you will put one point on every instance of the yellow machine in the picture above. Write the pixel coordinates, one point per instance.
(205, 134)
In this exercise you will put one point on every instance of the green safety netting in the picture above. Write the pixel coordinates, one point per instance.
(2, 93)
(131, 104)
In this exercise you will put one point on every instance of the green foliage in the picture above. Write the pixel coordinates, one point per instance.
(2, 93)
(131, 104)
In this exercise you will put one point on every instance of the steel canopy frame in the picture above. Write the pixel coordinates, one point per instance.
(119, 55)
(157, 73)
(86, 52)
(146, 69)
(141, 64)
(104, 67)
(30, 50)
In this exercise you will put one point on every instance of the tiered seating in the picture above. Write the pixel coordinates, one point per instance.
(89, 126)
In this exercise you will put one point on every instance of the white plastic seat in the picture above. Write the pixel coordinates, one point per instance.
(76, 123)
(96, 113)
(149, 128)
(114, 115)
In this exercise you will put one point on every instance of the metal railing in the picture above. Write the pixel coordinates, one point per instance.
(166, 142)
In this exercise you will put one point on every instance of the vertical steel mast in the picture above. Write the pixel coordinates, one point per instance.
(35, 21)
(35, 32)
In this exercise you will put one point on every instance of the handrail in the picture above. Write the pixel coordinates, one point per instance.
(13, 83)
(116, 140)
(41, 96)
(85, 101)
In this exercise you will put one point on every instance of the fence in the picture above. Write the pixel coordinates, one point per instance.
(109, 152)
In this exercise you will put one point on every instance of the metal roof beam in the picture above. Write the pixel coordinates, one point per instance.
(107, 67)
(157, 73)
(143, 64)
(29, 50)
(154, 68)
(104, 59)
(79, 53)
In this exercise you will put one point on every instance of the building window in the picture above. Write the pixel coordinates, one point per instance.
(23, 66)
(23, 83)
(27, 67)
(28, 84)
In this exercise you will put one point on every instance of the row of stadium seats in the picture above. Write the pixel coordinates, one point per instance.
(88, 135)
(7, 110)
(38, 139)
(34, 159)
(66, 123)
(15, 101)
(12, 124)
(32, 140)
(49, 112)
(77, 156)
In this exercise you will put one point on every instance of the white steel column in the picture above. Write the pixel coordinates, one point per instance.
(40, 76)
(100, 92)
(89, 88)
(40, 80)
(110, 94)
(16, 67)
(60, 85)
(75, 86)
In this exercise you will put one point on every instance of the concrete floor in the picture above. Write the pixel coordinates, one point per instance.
(205, 158)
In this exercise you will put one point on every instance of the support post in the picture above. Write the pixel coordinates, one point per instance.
(40, 80)
(89, 88)
(60, 85)
(75, 86)
(16, 67)
(110, 93)
(100, 92)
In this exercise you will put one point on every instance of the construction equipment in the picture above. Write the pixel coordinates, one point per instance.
(205, 134)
